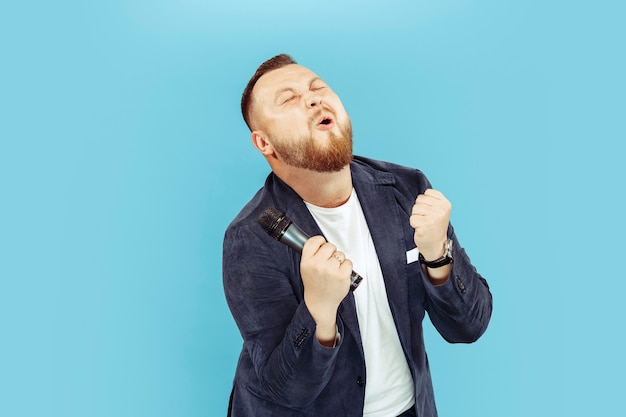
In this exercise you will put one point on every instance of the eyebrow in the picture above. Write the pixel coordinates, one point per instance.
(293, 90)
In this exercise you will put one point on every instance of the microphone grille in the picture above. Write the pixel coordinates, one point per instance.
(273, 222)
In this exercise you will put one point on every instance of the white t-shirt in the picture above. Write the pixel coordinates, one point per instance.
(389, 387)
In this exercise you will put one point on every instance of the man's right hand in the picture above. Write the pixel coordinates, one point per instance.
(326, 279)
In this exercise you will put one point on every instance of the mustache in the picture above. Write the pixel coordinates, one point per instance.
(318, 113)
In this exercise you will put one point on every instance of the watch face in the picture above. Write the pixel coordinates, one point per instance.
(449, 244)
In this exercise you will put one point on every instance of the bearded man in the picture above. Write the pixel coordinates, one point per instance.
(311, 346)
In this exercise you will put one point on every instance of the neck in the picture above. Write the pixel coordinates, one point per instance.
(323, 189)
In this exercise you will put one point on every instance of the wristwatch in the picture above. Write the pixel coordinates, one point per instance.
(444, 260)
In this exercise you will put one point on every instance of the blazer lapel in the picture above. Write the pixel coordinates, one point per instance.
(292, 205)
(387, 223)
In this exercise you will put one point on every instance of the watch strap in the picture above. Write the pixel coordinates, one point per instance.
(444, 260)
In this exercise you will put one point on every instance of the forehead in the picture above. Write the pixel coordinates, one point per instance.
(289, 76)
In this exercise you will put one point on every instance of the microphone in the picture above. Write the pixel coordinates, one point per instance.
(281, 228)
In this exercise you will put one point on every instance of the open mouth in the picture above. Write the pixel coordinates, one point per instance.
(325, 122)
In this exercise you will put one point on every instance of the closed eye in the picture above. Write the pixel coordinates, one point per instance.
(317, 84)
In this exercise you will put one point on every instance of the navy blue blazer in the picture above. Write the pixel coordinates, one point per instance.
(282, 369)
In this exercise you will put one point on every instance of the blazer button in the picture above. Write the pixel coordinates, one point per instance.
(360, 381)
(460, 284)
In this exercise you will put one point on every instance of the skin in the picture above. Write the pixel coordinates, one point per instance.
(286, 106)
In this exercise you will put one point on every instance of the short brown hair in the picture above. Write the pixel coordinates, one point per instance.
(271, 64)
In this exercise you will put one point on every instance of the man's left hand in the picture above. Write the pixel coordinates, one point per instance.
(430, 217)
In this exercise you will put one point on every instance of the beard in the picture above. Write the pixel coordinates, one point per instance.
(308, 154)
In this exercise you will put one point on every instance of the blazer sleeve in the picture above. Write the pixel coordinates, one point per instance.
(264, 292)
(461, 308)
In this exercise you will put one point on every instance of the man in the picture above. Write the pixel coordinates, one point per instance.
(311, 346)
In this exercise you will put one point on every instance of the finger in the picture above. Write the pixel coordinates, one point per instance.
(340, 256)
(431, 192)
(427, 210)
(312, 245)
(326, 251)
(421, 222)
(428, 200)
(425, 201)
(346, 266)
(421, 210)
(434, 198)
(431, 196)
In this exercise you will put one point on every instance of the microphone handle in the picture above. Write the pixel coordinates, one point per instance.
(355, 280)
(294, 237)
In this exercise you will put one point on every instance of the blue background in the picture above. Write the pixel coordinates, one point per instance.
(123, 157)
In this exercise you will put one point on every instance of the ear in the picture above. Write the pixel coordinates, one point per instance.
(260, 142)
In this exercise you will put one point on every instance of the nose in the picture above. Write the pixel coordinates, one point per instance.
(314, 100)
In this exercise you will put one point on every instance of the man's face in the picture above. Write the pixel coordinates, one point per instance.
(303, 119)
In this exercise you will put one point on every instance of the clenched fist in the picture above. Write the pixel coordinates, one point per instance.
(430, 217)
